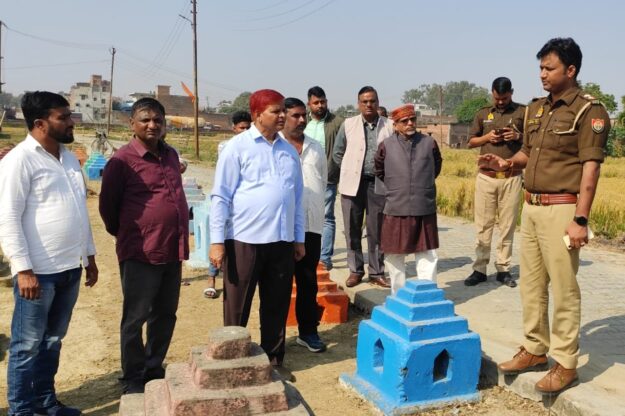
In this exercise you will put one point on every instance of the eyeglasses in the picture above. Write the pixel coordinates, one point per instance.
(407, 120)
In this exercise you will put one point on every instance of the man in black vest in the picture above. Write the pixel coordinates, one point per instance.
(408, 162)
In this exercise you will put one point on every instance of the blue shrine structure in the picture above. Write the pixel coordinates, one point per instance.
(415, 353)
(94, 166)
(198, 258)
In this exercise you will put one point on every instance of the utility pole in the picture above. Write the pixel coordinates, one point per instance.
(195, 92)
(108, 123)
(1, 57)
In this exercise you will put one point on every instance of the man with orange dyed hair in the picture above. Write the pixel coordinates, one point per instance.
(257, 223)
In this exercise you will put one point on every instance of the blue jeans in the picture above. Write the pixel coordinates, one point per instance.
(37, 329)
(212, 270)
(329, 227)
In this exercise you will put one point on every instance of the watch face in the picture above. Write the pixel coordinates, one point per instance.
(583, 221)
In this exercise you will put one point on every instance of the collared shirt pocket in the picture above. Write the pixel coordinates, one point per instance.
(564, 135)
(532, 133)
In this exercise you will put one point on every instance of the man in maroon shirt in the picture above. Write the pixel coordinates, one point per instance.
(143, 205)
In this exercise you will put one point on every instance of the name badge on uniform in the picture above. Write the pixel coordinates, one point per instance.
(597, 125)
(540, 112)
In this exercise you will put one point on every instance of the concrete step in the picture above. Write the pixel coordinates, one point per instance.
(209, 373)
(186, 398)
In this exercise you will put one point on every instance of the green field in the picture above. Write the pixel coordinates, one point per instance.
(456, 184)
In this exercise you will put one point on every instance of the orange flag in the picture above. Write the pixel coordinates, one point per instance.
(188, 91)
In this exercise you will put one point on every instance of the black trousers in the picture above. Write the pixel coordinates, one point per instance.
(271, 267)
(151, 293)
(306, 308)
(366, 202)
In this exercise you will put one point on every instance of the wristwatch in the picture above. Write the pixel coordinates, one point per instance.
(579, 220)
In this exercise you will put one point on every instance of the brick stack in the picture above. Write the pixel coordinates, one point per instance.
(333, 302)
(229, 376)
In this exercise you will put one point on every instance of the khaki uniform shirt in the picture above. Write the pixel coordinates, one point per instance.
(560, 137)
(490, 118)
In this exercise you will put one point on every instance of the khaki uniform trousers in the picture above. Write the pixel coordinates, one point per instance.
(496, 200)
(546, 259)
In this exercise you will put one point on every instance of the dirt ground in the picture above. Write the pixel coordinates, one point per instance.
(89, 367)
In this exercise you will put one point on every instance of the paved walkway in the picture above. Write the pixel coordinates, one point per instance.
(494, 312)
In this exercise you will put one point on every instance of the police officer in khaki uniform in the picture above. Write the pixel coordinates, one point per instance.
(497, 129)
(563, 148)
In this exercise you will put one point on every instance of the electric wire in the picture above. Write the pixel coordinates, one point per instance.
(324, 5)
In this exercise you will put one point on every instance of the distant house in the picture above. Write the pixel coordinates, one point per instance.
(182, 106)
(91, 99)
(424, 110)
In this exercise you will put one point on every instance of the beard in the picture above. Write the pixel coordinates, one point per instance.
(64, 138)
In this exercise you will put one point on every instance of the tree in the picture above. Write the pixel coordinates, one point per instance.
(467, 110)
(9, 100)
(607, 100)
(454, 94)
(621, 116)
(241, 103)
(346, 111)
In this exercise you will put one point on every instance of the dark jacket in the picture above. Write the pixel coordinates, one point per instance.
(332, 125)
(408, 169)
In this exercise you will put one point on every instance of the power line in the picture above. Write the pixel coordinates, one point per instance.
(65, 44)
(271, 6)
(301, 6)
(180, 73)
(167, 47)
(59, 64)
(289, 22)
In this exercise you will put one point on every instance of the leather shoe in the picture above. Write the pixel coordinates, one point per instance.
(524, 361)
(557, 379)
(380, 281)
(506, 279)
(353, 280)
(475, 278)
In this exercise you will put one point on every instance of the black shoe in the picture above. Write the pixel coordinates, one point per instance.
(312, 342)
(475, 278)
(506, 279)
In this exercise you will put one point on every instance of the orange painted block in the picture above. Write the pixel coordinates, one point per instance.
(323, 275)
(333, 303)
(334, 306)
(81, 156)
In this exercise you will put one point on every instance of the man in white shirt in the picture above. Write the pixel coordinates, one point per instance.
(46, 235)
(315, 174)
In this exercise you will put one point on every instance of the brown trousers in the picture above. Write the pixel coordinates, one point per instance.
(546, 260)
(270, 266)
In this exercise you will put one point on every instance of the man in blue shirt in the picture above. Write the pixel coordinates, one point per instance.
(257, 223)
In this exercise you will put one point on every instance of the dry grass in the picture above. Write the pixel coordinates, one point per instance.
(456, 187)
